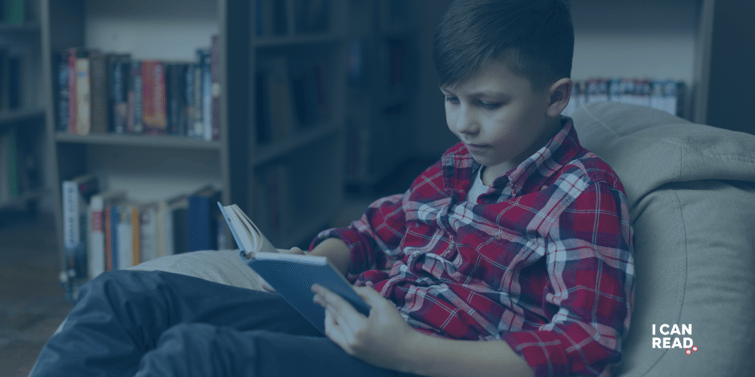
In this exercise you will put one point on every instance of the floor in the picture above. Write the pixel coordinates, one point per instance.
(33, 304)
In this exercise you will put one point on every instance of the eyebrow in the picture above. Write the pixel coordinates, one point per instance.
(481, 93)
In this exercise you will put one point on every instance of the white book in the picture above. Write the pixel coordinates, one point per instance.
(292, 275)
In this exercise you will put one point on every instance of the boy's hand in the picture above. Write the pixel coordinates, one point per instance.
(264, 285)
(379, 339)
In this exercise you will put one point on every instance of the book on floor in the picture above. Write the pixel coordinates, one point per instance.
(291, 275)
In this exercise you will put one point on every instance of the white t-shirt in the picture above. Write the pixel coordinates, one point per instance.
(478, 188)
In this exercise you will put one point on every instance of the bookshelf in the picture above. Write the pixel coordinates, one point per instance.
(289, 181)
(382, 84)
(148, 168)
(22, 112)
(297, 116)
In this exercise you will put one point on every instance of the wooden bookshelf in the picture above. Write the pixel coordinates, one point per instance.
(382, 89)
(150, 167)
(309, 153)
(160, 166)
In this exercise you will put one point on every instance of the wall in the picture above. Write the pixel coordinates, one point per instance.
(613, 38)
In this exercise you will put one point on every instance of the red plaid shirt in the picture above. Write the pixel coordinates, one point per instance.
(543, 260)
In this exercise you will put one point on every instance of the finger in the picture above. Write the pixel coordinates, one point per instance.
(296, 250)
(336, 333)
(343, 311)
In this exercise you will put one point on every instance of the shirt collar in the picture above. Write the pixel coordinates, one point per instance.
(459, 168)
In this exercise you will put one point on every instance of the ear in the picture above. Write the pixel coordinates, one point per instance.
(560, 93)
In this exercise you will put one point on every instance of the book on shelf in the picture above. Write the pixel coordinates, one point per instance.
(154, 110)
(119, 72)
(272, 198)
(289, 95)
(134, 98)
(14, 12)
(215, 88)
(144, 96)
(665, 95)
(202, 217)
(311, 16)
(76, 193)
(10, 76)
(96, 253)
(270, 18)
(9, 172)
(290, 275)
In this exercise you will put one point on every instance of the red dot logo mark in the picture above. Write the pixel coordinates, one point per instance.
(688, 351)
(694, 348)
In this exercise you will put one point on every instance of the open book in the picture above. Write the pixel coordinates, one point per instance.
(292, 275)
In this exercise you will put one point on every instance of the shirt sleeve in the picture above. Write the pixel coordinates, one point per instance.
(374, 238)
(590, 288)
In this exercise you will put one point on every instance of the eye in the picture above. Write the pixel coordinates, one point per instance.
(489, 105)
(452, 99)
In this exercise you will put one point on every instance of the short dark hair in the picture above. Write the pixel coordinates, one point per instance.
(535, 38)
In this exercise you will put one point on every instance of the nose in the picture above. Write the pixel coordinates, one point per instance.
(466, 121)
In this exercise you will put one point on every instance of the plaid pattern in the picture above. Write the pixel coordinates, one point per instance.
(543, 260)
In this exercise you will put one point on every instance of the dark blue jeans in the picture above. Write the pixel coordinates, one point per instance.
(163, 324)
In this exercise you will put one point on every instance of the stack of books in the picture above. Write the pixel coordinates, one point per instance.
(115, 93)
(105, 230)
(664, 95)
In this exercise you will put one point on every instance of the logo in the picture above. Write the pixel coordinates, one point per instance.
(674, 336)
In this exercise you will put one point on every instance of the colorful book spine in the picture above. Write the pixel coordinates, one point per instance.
(154, 101)
(119, 74)
(62, 98)
(83, 92)
(215, 88)
(135, 94)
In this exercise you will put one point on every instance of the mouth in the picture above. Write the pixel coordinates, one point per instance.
(475, 147)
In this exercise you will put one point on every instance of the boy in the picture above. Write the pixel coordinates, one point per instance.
(510, 256)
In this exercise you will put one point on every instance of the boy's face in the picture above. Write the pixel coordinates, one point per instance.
(499, 117)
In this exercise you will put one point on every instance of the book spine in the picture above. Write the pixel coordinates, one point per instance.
(115, 220)
(216, 88)
(99, 89)
(62, 124)
(14, 84)
(72, 107)
(198, 123)
(14, 12)
(153, 100)
(70, 225)
(207, 95)
(13, 185)
(119, 93)
(96, 249)
(201, 224)
(147, 233)
(107, 219)
(125, 248)
(135, 232)
(190, 105)
(83, 104)
(136, 82)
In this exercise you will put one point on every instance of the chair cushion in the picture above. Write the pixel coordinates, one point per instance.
(222, 266)
(691, 196)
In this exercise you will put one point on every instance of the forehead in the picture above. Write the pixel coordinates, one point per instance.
(491, 76)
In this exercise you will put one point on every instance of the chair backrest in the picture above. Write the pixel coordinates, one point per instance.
(691, 193)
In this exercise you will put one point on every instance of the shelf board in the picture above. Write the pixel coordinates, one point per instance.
(10, 116)
(156, 141)
(285, 41)
(24, 197)
(25, 28)
(293, 142)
